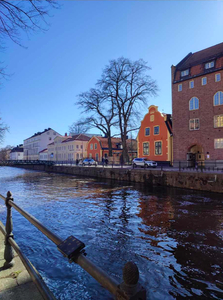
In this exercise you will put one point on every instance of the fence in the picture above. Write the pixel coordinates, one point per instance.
(202, 166)
(73, 249)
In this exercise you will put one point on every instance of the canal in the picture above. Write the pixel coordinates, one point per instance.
(174, 236)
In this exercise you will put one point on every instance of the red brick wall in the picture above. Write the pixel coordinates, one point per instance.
(183, 138)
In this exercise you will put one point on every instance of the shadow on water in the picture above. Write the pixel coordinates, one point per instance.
(174, 236)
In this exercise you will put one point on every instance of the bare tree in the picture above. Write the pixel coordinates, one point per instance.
(99, 107)
(4, 152)
(79, 127)
(22, 16)
(3, 129)
(128, 86)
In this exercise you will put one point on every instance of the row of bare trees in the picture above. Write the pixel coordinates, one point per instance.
(116, 102)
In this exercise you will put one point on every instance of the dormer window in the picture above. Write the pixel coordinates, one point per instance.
(209, 65)
(184, 73)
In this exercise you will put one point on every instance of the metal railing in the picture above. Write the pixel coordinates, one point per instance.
(199, 166)
(73, 249)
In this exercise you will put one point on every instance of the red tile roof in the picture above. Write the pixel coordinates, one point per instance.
(43, 150)
(202, 56)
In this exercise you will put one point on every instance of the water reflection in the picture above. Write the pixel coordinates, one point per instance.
(174, 236)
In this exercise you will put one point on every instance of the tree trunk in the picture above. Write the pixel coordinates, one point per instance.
(109, 145)
(124, 145)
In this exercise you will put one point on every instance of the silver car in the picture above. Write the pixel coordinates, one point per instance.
(142, 162)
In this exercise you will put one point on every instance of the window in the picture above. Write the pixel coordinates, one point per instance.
(180, 87)
(145, 148)
(156, 130)
(184, 73)
(218, 121)
(77, 155)
(218, 143)
(96, 156)
(90, 155)
(95, 146)
(81, 146)
(191, 84)
(158, 148)
(194, 124)
(194, 103)
(209, 65)
(217, 77)
(91, 146)
(218, 98)
(147, 131)
(77, 146)
(204, 81)
(106, 155)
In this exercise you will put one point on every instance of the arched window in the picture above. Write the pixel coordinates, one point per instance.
(194, 103)
(218, 98)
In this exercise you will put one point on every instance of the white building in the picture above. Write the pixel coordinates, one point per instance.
(16, 153)
(43, 155)
(68, 148)
(38, 142)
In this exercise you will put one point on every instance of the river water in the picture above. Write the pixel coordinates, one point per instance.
(174, 236)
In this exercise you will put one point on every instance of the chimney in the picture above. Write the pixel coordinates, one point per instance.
(65, 134)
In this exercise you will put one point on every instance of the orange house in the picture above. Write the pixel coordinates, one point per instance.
(154, 138)
(97, 149)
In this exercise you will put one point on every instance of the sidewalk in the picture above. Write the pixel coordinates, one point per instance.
(15, 283)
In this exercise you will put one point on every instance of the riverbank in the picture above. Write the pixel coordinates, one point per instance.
(188, 180)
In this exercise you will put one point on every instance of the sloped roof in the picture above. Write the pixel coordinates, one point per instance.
(17, 149)
(39, 133)
(44, 150)
(199, 57)
(77, 137)
(115, 142)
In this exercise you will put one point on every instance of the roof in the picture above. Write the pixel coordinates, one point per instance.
(44, 150)
(17, 149)
(199, 57)
(115, 142)
(39, 133)
(77, 137)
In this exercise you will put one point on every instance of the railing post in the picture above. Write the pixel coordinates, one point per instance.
(130, 289)
(9, 253)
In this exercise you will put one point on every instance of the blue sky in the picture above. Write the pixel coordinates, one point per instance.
(83, 36)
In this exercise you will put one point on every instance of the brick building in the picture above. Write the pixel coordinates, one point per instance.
(197, 106)
(97, 149)
(154, 139)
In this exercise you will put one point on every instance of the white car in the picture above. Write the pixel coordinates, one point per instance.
(88, 162)
(142, 162)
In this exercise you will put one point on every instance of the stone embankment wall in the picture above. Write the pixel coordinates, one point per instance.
(194, 181)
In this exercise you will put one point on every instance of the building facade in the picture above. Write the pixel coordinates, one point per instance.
(97, 149)
(68, 148)
(43, 155)
(16, 153)
(197, 106)
(154, 138)
(37, 143)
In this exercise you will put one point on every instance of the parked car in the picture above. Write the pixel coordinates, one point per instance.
(88, 162)
(142, 162)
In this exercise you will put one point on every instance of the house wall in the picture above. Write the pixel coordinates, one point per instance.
(183, 138)
(151, 119)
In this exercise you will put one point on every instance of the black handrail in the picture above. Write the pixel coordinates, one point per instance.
(125, 290)
(35, 276)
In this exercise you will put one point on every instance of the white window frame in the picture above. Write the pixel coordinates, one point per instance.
(193, 100)
(180, 88)
(191, 84)
(146, 148)
(209, 65)
(219, 97)
(218, 143)
(194, 121)
(218, 121)
(202, 81)
(184, 73)
(216, 77)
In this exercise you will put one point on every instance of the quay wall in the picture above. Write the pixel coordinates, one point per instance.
(188, 180)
